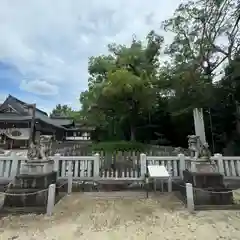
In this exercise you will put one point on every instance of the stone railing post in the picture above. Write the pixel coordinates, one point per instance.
(70, 182)
(51, 199)
(182, 164)
(219, 162)
(14, 166)
(1, 165)
(190, 199)
(96, 165)
(143, 162)
(56, 159)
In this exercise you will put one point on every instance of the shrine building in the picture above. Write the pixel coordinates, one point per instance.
(15, 124)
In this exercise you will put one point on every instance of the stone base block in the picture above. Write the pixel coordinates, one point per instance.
(37, 167)
(203, 179)
(26, 190)
(26, 198)
(209, 188)
(216, 196)
(204, 167)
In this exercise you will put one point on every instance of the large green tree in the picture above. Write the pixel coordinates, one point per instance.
(206, 33)
(66, 111)
(61, 110)
(121, 83)
(132, 93)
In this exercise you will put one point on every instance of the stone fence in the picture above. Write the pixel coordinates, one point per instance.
(90, 167)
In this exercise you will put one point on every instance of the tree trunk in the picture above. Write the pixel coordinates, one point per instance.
(237, 117)
(133, 117)
(132, 129)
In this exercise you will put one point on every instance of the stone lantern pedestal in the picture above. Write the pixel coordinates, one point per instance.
(30, 187)
(207, 181)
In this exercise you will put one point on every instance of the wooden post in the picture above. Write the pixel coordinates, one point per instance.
(220, 162)
(32, 107)
(14, 167)
(189, 193)
(70, 181)
(96, 165)
(182, 164)
(143, 162)
(51, 199)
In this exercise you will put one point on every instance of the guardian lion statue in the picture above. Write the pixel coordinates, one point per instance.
(45, 144)
(198, 150)
(40, 151)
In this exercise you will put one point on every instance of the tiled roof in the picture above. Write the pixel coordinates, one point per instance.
(13, 117)
(23, 115)
(62, 120)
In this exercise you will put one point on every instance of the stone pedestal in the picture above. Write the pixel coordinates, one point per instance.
(203, 167)
(203, 175)
(37, 167)
(209, 188)
(34, 177)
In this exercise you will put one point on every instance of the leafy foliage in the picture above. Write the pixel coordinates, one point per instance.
(66, 111)
(119, 146)
(61, 110)
(136, 94)
(121, 84)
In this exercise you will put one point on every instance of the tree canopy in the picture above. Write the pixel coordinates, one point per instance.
(61, 111)
(136, 93)
(66, 111)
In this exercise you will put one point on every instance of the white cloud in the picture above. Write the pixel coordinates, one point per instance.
(52, 40)
(39, 87)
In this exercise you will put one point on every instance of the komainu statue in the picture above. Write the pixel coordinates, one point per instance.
(40, 151)
(199, 150)
(32, 152)
(45, 144)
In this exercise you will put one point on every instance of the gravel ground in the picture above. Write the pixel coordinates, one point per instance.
(81, 217)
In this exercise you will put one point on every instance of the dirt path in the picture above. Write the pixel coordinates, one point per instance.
(81, 217)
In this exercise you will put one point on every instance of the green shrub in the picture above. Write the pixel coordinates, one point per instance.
(119, 146)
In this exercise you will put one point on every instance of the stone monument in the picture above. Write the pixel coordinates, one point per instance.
(204, 173)
(36, 174)
(199, 147)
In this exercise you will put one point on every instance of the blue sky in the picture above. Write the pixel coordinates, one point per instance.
(45, 45)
